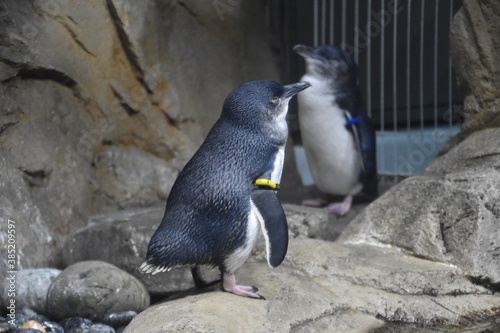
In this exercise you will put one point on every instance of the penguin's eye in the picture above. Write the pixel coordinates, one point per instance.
(275, 100)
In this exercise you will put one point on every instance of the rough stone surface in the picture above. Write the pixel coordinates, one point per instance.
(31, 289)
(149, 75)
(122, 238)
(130, 177)
(475, 53)
(32, 234)
(329, 287)
(94, 289)
(479, 151)
(452, 219)
(450, 214)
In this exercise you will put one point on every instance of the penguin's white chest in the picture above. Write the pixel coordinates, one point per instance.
(238, 257)
(281, 128)
(330, 147)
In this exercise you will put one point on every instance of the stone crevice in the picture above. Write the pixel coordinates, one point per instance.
(74, 36)
(10, 118)
(330, 312)
(187, 9)
(127, 46)
(26, 72)
(126, 106)
(36, 178)
(486, 283)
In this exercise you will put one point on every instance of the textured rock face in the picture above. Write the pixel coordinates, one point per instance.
(129, 85)
(130, 177)
(475, 52)
(454, 220)
(32, 286)
(451, 214)
(95, 289)
(328, 287)
(480, 151)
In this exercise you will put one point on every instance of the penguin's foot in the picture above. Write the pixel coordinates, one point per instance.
(229, 285)
(340, 208)
(314, 202)
(200, 282)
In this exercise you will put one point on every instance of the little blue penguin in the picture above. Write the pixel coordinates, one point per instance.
(227, 191)
(337, 134)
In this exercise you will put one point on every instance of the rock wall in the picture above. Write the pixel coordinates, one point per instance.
(103, 101)
(475, 53)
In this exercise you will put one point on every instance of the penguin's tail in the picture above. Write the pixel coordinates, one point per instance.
(147, 268)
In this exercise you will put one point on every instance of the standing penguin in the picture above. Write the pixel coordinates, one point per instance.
(337, 134)
(226, 192)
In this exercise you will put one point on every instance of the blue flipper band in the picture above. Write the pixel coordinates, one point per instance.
(352, 121)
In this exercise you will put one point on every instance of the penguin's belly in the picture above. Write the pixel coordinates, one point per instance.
(330, 148)
(241, 254)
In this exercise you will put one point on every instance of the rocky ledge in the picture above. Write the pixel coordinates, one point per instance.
(329, 287)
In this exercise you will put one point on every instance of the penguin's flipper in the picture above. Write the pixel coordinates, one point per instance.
(364, 136)
(272, 219)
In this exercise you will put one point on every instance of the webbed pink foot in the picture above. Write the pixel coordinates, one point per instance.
(340, 208)
(229, 285)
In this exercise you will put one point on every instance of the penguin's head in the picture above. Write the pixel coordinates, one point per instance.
(329, 61)
(260, 103)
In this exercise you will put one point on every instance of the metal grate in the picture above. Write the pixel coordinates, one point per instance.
(405, 73)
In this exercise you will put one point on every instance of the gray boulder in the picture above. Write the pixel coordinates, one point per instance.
(31, 289)
(32, 233)
(94, 289)
(327, 287)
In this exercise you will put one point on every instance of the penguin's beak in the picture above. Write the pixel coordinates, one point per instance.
(293, 89)
(304, 51)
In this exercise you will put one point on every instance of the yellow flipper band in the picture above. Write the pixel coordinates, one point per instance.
(267, 182)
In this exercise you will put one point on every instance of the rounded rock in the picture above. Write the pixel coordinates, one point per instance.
(101, 328)
(51, 327)
(33, 324)
(76, 325)
(120, 319)
(30, 314)
(31, 288)
(95, 289)
(4, 328)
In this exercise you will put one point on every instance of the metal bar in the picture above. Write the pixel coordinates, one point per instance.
(408, 68)
(450, 77)
(332, 22)
(356, 31)
(436, 36)
(368, 61)
(344, 22)
(323, 22)
(382, 78)
(408, 75)
(394, 82)
(422, 23)
(315, 23)
(382, 67)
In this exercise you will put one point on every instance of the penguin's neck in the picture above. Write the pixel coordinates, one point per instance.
(344, 97)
